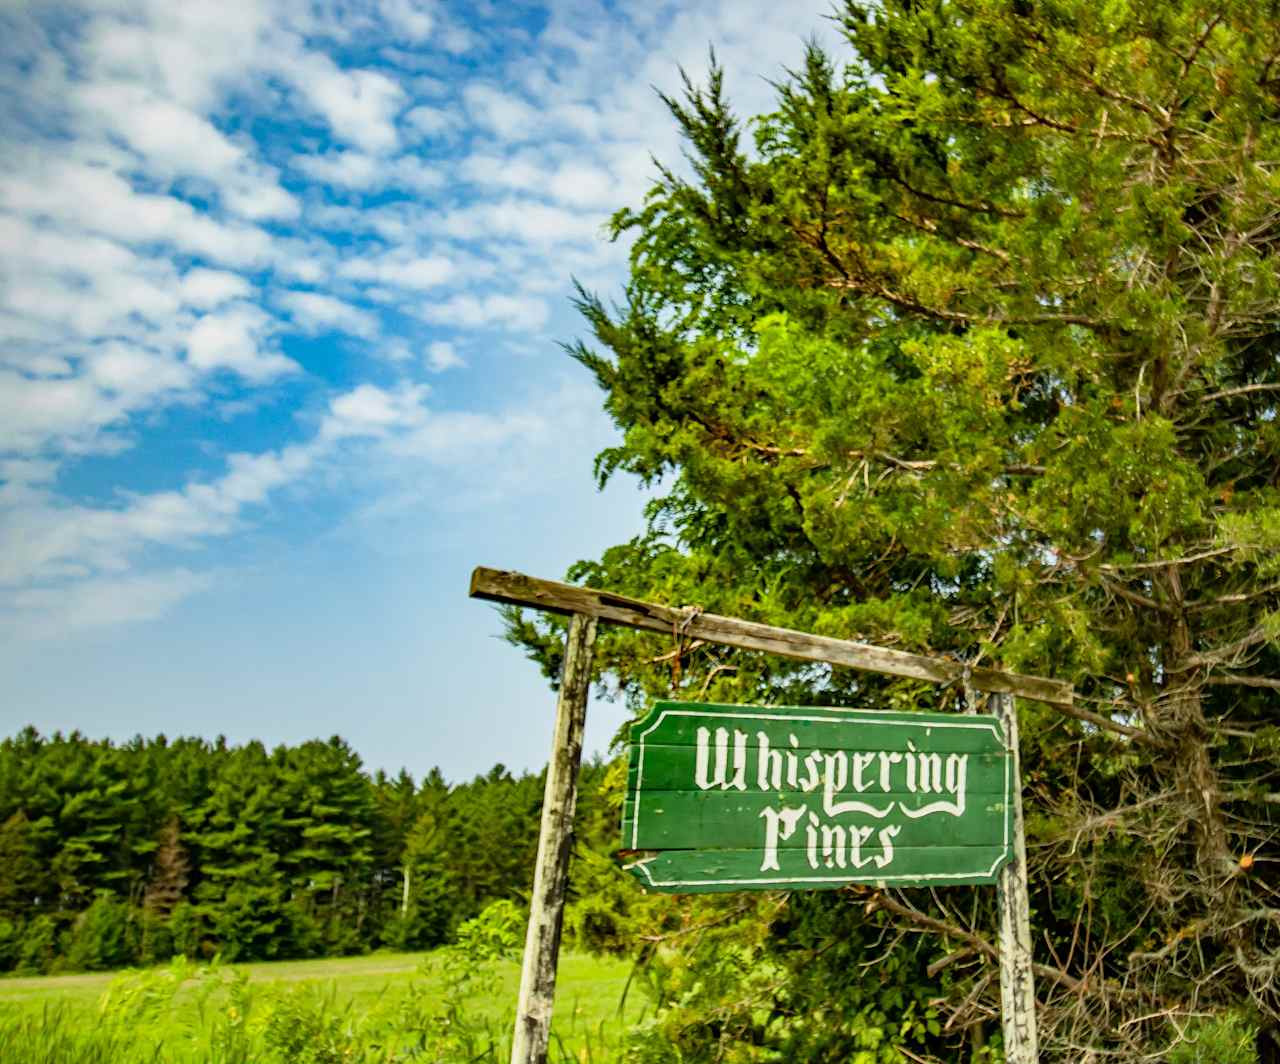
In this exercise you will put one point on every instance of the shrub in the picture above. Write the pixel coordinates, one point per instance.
(104, 936)
(1224, 1039)
(11, 934)
(497, 933)
(155, 941)
(37, 948)
(186, 930)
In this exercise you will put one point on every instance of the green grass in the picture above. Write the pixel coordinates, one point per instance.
(433, 1007)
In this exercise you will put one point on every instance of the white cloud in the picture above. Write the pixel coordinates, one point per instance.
(19, 475)
(124, 369)
(34, 409)
(455, 436)
(44, 540)
(92, 199)
(441, 356)
(497, 311)
(585, 186)
(538, 224)
(430, 121)
(343, 169)
(174, 142)
(360, 106)
(372, 411)
(235, 338)
(205, 288)
(419, 272)
(512, 118)
(317, 313)
(414, 20)
(359, 170)
(458, 40)
(189, 53)
(523, 171)
(100, 602)
(573, 183)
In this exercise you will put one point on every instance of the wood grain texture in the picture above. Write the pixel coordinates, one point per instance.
(496, 585)
(555, 842)
(1017, 981)
(684, 820)
(719, 871)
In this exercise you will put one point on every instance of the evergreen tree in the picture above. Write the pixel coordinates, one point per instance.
(114, 854)
(22, 879)
(975, 353)
(237, 835)
(328, 809)
(396, 805)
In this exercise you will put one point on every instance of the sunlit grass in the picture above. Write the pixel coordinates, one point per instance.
(381, 1007)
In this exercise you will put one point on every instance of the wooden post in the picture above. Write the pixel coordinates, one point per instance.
(555, 840)
(586, 606)
(1017, 986)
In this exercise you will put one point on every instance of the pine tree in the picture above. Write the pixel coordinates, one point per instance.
(238, 835)
(23, 880)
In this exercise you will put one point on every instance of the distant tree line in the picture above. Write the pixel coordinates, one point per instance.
(116, 854)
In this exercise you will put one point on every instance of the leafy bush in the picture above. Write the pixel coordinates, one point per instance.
(498, 932)
(304, 1027)
(11, 935)
(155, 938)
(102, 937)
(38, 947)
(788, 977)
(1225, 1039)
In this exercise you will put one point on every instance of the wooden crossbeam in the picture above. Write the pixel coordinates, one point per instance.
(496, 585)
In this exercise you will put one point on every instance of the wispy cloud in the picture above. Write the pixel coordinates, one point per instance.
(270, 230)
(44, 538)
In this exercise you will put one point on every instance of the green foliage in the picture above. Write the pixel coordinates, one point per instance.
(11, 935)
(973, 352)
(1224, 1039)
(111, 856)
(307, 1027)
(102, 937)
(496, 934)
(446, 1011)
(38, 946)
(788, 978)
(185, 928)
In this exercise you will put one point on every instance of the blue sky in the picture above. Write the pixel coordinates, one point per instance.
(282, 292)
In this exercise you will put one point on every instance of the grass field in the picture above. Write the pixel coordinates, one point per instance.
(382, 1007)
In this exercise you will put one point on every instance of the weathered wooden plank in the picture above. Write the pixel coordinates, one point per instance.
(665, 772)
(678, 820)
(713, 871)
(1017, 981)
(810, 725)
(555, 841)
(497, 585)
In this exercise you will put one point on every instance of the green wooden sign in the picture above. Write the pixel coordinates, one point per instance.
(726, 798)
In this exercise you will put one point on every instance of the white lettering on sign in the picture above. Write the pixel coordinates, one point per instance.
(722, 762)
(780, 825)
(707, 778)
